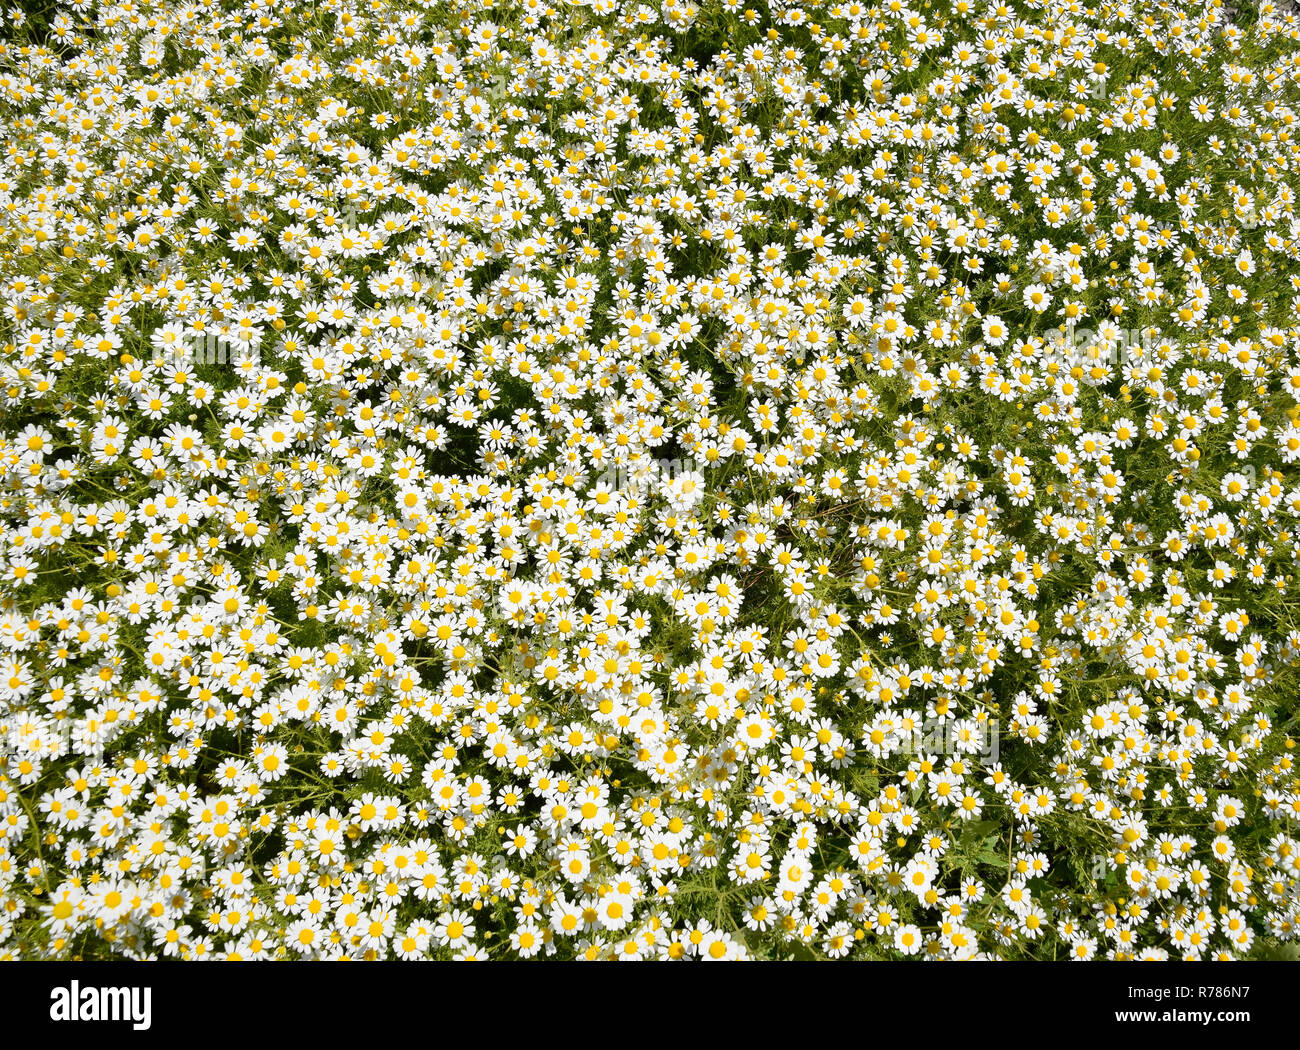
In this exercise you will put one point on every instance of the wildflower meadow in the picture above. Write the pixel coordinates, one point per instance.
(605, 479)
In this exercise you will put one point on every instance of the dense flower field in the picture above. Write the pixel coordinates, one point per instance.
(612, 479)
